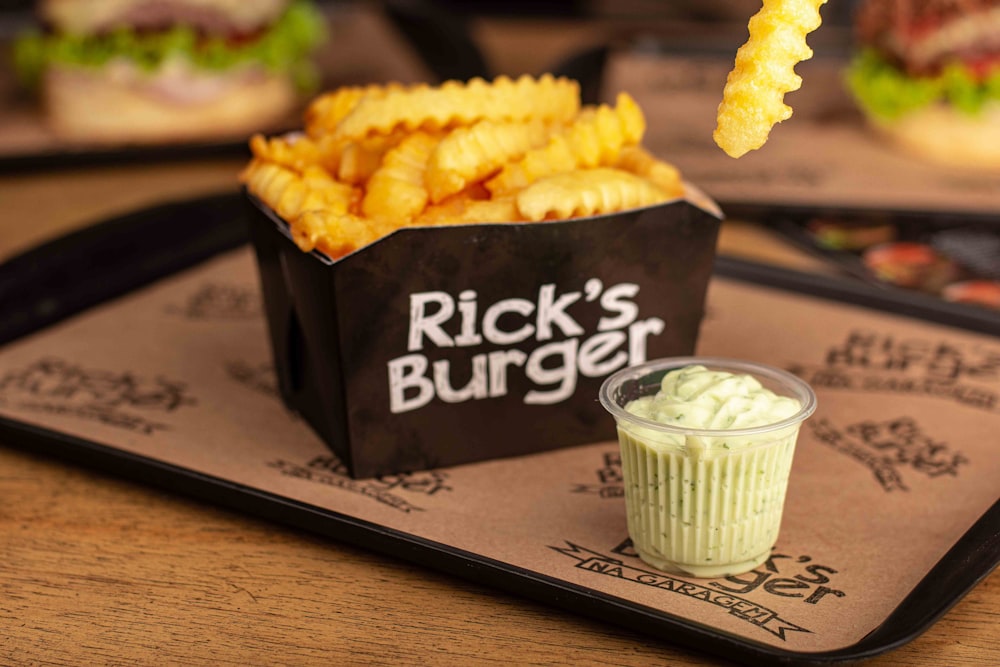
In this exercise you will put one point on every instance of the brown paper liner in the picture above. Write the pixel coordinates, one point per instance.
(894, 468)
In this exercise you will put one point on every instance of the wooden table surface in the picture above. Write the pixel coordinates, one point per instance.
(100, 570)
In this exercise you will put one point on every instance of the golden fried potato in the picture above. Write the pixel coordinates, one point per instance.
(326, 111)
(294, 151)
(639, 161)
(334, 234)
(464, 209)
(396, 189)
(360, 159)
(374, 159)
(469, 154)
(557, 156)
(453, 103)
(327, 193)
(595, 138)
(289, 193)
(753, 98)
(586, 192)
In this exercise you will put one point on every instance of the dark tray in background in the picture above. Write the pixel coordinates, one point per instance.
(970, 240)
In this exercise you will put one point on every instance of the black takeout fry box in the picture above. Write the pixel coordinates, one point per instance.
(445, 345)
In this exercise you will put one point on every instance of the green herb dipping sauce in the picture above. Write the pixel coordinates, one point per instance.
(702, 501)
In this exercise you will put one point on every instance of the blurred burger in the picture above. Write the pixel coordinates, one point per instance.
(150, 71)
(928, 76)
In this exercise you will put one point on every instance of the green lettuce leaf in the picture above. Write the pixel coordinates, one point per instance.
(284, 47)
(887, 93)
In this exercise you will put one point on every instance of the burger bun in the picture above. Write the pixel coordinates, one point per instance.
(942, 134)
(103, 106)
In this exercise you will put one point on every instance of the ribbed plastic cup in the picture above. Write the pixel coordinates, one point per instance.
(704, 502)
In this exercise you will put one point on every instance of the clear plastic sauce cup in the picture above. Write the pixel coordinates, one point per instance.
(704, 502)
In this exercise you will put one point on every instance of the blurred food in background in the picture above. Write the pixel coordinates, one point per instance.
(838, 235)
(911, 265)
(162, 65)
(927, 76)
(954, 257)
(984, 293)
(151, 71)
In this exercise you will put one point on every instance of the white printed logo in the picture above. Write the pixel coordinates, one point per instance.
(554, 366)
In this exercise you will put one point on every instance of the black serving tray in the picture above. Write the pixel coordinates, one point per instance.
(43, 287)
(969, 239)
(72, 158)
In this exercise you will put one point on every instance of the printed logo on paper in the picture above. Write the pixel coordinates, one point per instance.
(872, 362)
(897, 448)
(221, 301)
(609, 482)
(260, 377)
(888, 448)
(781, 576)
(400, 491)
(116, 398)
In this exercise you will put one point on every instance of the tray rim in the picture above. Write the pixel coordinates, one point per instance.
(977, 552)
(971, 559)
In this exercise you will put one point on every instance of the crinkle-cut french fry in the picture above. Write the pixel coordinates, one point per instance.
(328, 193)
(753, 97)
(463, 209)
(396, 189)
(639, 161)
(267, 181)
(360, 159)
(555, 157)
(289, 193)
(586, 192)
(330, 150)
(295, 151)
(454, 103)
(610, 129)
(334, 234)
(324, 113)
(469, 154)
(377, 158)
(358, 162)
(595, 138)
